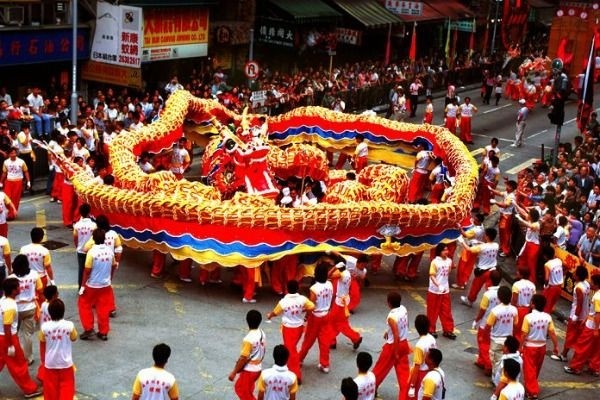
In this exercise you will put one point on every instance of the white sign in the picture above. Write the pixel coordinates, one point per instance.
(172, 52)
(258, 98)
(348, 36)
(251, 70)
(399, 7)
(118, 36)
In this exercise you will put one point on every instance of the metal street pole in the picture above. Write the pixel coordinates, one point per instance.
(251, 53)
(556, 143)
(495, 26)
(74, 107)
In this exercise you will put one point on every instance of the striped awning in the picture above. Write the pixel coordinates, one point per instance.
(369, 13)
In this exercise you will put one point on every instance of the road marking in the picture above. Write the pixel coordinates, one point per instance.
(477, 152)
(536, 134)
(517, 168)
(497, 108)
(555, 385)
(569, 121)
(24, 222)
(504, 156)
(40, 222)
(487, 136)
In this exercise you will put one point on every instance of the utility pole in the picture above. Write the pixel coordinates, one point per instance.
(495, 27)
(74, 105)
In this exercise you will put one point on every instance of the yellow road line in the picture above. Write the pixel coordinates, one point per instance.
(555, 385)
(523, 165)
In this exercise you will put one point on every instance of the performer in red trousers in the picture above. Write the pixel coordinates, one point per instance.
(249, 278)
(395, 350)
(419, 368)
(451, 112)
(467, 110)
(475, 234)
(420, 174)
(579, 312)
(488, 301)
(283, 271)
(438, 295)
(522, 292)
(96, 291)
(341, 280)
(587, 349)
(11, 353)
(537, 326)
(507, 208)
(486, 262)
(553, 278)
(528, 256)
(249, 364)
(358, 271)
(361, 153)
(14, 171)
(318, 325)
(293, 308)
(406, 267)
(69, 203)
(59, 372)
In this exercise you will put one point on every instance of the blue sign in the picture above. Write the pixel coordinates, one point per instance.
(27, 47)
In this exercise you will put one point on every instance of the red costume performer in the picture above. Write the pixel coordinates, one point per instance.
(466, 113)
(14, 171)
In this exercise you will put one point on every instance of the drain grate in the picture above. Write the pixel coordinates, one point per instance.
(471, 350)
(53, 245)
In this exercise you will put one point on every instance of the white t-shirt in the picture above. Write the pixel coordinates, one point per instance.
(277, 383)
(488, 256)
(256, 339)
(362, 150)
(58, 336)
(27, 285)
(155, 383)
(14, 169)
(292, 307)
(525, 289)
(100, 260)
(84, 228)
(3, 209)
(584, 286)
(555, 276)
(342, 293)
(9, 305)
(501, 319)
(36, 254)
(433, 384)
(512, 391)
(324, 294)
(400, 316)
(440, 268)
(366, 386)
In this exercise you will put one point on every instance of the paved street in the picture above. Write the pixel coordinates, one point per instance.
(205, 325)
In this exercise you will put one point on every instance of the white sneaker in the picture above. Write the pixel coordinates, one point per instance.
(245, 301)
(465, 301)
(323, 369)
(188, 280)
(513, 145)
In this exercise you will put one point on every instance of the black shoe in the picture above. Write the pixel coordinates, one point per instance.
(87, 335)
(357, 344)
(434, 334)
(449, 335)
(113, 314)
(102, 336)
(333, 346)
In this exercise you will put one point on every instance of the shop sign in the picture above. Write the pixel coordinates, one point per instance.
(414, 8)
(118, 35)
(28, 47)
(462, 26)
(113, 74)
(175, 52)
(170, 27)
(276, 32)
(348, 36)
(230, 32)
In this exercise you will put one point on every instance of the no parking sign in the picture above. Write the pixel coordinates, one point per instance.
(251, 70)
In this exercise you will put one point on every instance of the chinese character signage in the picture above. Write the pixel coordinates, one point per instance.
(275, 32)
(118, 36)
(462, 26)
(28, 47)
(399, 7)
(348, 36)
(113, 74)
(171, 33)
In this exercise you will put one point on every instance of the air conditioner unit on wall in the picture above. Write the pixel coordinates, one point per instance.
(13, 15)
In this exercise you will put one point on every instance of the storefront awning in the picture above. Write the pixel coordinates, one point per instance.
(451, 9)
(429, 14)
(540, 4)
(170, 3)
(368, 12)
(307, 11)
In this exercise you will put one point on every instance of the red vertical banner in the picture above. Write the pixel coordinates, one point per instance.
(388, 46)
(412, 54)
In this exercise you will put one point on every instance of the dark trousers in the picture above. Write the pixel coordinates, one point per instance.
(80, 266)
(414, 99)
(29, 162)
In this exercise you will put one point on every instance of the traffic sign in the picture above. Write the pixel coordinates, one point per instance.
(251, 70)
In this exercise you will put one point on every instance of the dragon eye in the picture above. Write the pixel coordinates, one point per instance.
(230, 144)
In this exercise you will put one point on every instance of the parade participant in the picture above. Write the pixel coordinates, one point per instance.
(580, 308)
(56, 176)
(438, 294)
(467, 110)
(501, 322)
(513, 389)
(487, 259)
(537, 326)
(493, 146)
(360, 153)
(82, 233)
(11, 353)
(39, 257)
(528, 256)
(248, 278)
(293, 308)
(450, 94)
(420, 173)
(278, 382)
(349, 389)
(395, 350)
(498, 88)
(56, 337)
(6, 208)
(156, 382)
(365, 380)
(26, 153)
(50, 293)
(96, 287)
(507, 207)
(14, 170)
(490, 177)
(69, 200)
(436, 179)
(433, 386)
(283, 270)
(488, 302)
(553, 278)
(586, 350)
(419, 368)
(522, 115)
(510, 351)
(522, 292)
(399, 107)
(5, 261)
(210, 273)
(358, 270)
(249, 364)
(450, 112)
(475, 235)
(338, 316)
(414, 96)
(180, 159)
(428, 117)
(30, 292)
(317, 325)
